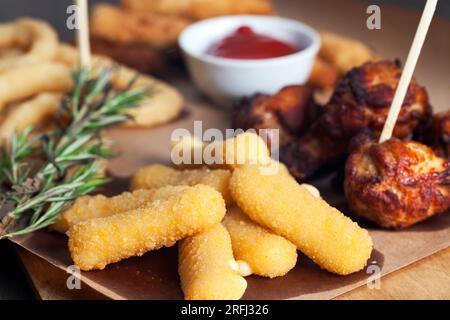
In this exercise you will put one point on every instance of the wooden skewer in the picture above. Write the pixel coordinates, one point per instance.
(408, 71)
(83, 34)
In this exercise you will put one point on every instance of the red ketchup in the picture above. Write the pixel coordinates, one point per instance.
(244, 43)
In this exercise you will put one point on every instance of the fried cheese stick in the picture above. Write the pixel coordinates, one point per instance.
(157, 176)
(97, 242)
(99, 206)
(206, 267)
(245, 148)
(324, 234)
(267, 254)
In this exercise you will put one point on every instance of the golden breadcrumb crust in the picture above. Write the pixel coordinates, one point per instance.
(324, 234)
(97, 242)
(267, 254)
(205, 267)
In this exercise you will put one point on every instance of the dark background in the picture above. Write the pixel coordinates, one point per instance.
(13, 280)
(55, 10)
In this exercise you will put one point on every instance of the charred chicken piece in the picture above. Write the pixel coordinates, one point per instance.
(291, 111)
(138, 56)
(441, 134)
(397, 183)
(361, 100)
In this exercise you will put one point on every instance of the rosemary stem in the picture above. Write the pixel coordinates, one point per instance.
(70, 152)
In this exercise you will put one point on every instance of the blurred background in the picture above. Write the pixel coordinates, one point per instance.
(55, 10)
(443, 7)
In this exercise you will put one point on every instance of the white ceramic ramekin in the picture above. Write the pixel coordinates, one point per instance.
(227, 80)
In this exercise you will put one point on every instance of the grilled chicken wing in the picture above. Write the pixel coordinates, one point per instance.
(361, 100)
(441, 134)
(290, 111)
(396, 184)
(138, 56)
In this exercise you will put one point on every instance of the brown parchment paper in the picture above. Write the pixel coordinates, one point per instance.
(154, 275)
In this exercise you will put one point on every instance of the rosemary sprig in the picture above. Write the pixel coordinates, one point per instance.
(34, 197)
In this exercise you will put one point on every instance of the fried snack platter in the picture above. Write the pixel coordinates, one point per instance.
(155, 276)
(35, 70)
(143, 34)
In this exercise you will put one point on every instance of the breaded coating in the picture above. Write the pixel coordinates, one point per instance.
(267, 254)
(324, 234)
(99, 206)
(204, 9)
(344, 53)
(199, 9)
(97, 242)
(26, 81)
(138, 56)
(313, 190)
(185, 150)
(165, 103)
(157, 176)
(245, 148)
(205, 265)
(37, 112)
(117, 25)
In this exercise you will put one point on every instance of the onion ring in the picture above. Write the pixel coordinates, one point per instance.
(26, 81)
(35, 37)
(13, 35)
(31, 113)
(164, 104)
(9, 53)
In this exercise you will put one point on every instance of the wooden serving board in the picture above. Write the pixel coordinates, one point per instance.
(154, 275)
(425, 279)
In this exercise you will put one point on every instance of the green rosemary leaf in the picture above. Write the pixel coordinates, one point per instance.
(70, 153)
